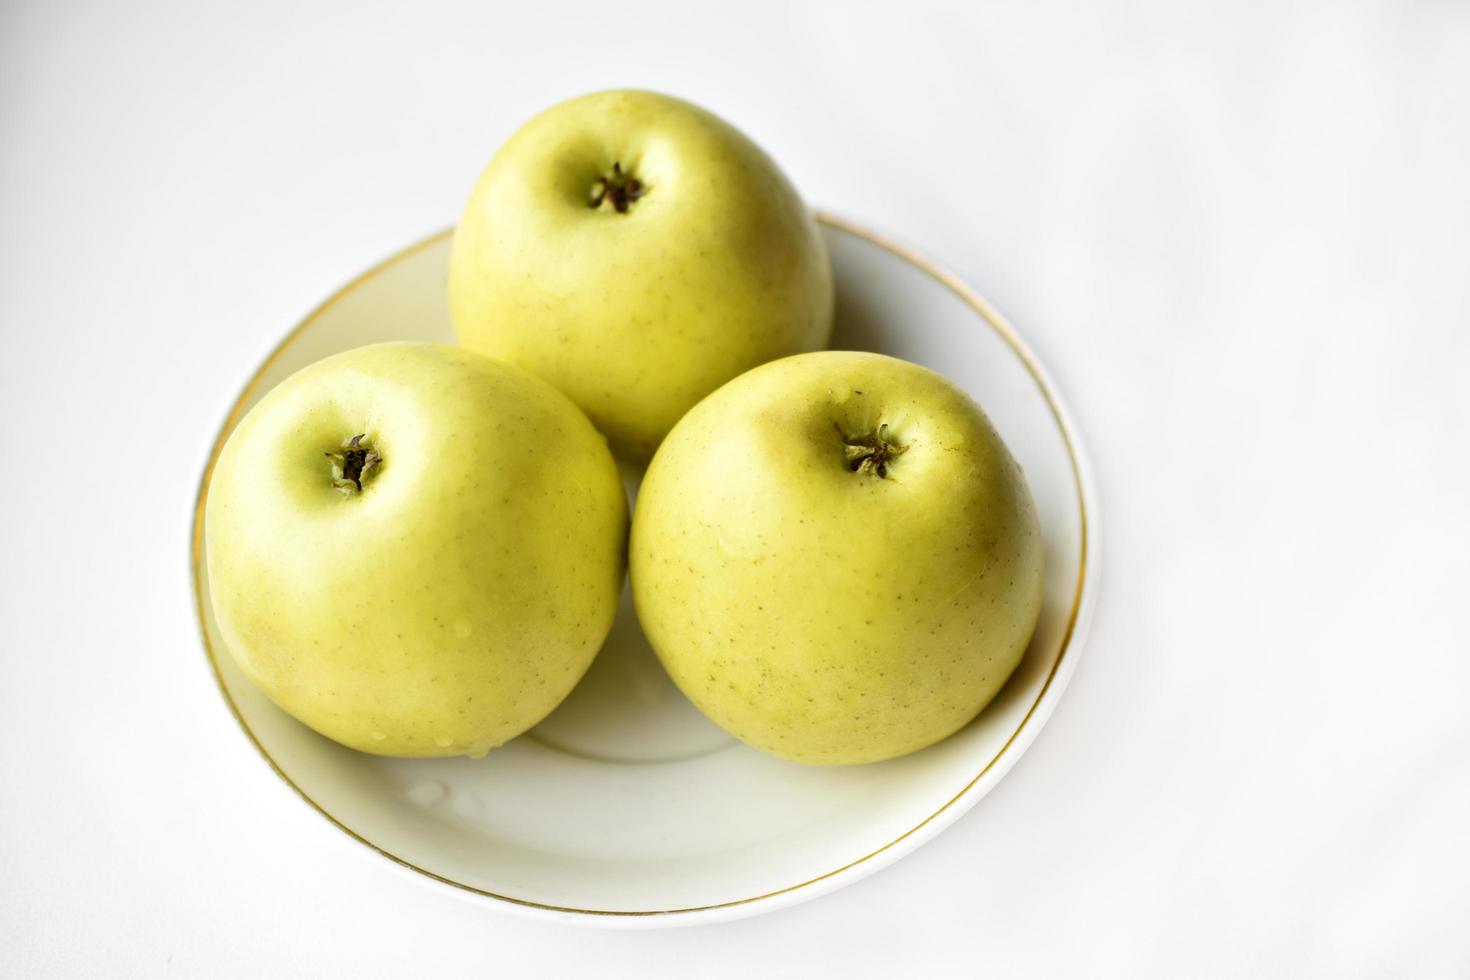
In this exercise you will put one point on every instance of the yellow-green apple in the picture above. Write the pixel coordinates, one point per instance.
(836, 558)
(637, 252)
(415, 550)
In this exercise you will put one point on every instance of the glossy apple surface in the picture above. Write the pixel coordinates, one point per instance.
(637, 252)
(836, 558)
(435, 587)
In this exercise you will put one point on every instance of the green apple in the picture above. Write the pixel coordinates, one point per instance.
(836, 558)
(415, 550)
(637, 252)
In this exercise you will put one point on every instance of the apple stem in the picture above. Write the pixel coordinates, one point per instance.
(619, 188)
(870, 453)
(355, 461)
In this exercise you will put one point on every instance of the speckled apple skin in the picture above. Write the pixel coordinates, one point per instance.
(829, 616)
(717, 268)
(459, 597)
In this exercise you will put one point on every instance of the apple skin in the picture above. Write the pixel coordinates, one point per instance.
(456, 599)
(825, 615)
(716, 268)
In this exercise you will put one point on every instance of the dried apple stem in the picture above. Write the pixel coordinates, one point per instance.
(617, 187)
(354, 462)
(870, 453)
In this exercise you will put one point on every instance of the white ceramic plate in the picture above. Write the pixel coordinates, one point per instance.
(626, 806)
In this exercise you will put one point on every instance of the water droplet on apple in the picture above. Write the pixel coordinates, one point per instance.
(462, 628)
(377, 736)
(443, 742)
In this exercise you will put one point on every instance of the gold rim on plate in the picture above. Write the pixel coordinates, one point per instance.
(944, 277)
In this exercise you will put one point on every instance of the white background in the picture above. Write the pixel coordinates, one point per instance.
(1239, 235)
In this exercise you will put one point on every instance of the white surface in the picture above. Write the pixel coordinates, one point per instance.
(1238, 234)
(628, 800)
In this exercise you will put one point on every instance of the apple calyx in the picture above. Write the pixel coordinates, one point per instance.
(354, 462)
(870, 453)
(620, 188)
